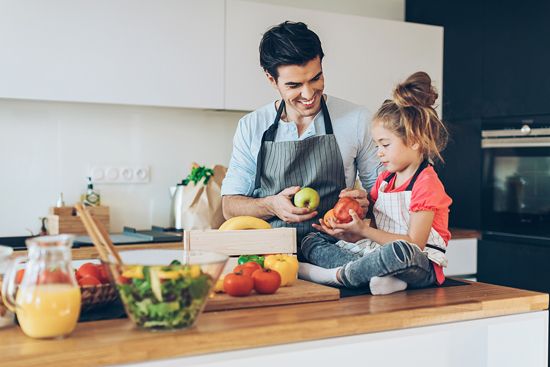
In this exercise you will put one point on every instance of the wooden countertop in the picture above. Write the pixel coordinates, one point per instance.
(117, 341)
(91, 253)
(461, 233)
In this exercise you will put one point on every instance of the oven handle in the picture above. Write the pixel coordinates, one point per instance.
(533, 142)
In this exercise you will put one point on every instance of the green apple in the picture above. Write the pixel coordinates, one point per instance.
(307, 198)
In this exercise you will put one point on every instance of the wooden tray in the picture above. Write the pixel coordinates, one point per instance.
(300, 292)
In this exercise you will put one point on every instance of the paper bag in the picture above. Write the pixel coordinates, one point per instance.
(202, 203)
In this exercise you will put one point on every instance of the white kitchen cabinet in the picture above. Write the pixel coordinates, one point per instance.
(462, 257)
(364, 57)
(160, 53)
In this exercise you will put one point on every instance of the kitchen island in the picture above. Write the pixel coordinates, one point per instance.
(469, 325)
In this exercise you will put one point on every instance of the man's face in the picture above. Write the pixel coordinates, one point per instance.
(301, 87)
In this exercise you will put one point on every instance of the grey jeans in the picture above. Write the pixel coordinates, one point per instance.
(399, 258)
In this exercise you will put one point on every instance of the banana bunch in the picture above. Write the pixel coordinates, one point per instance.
(244, 222)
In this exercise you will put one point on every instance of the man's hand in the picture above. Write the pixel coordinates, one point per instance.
(281, 206)
(360, 196)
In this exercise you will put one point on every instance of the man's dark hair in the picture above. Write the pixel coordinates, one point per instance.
(289, 43)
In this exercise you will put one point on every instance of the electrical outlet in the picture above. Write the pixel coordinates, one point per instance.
(112, 174)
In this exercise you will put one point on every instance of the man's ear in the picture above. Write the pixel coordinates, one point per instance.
(415, 146)
(271, 80)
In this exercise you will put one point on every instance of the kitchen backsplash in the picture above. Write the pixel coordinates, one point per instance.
(48, 147)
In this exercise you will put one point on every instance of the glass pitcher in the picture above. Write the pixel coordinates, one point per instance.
(45, 297)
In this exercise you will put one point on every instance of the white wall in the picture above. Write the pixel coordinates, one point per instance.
(47, 147)
(383, 9)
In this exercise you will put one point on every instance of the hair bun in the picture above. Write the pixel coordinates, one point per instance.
(416, 91)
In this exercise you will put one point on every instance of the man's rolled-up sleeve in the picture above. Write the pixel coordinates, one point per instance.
(241, 173)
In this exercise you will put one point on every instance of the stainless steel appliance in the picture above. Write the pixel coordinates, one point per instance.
(516, 180)
(176, 206)
(514, 249)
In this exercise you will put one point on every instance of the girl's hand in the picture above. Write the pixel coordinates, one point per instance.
(339, 233)
(359, 195)
(354, 228)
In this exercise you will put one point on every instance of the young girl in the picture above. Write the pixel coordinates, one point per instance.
(406, 247)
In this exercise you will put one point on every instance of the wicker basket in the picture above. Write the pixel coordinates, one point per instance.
(94, 296)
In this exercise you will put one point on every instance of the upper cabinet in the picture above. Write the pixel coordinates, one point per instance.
(197, 54)
(160, 53)
(364, 57)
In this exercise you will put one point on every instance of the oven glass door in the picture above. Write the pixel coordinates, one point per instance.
(516, 190)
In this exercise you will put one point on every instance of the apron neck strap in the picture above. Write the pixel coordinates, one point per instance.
(271, 132)
(269, 135)
(420, 168)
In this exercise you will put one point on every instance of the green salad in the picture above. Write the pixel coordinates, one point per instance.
(164, 297)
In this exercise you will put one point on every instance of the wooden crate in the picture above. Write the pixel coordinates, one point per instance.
(66, 220)
(244, 242)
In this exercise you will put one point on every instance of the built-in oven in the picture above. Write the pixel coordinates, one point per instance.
(516, 180)
(514, 249)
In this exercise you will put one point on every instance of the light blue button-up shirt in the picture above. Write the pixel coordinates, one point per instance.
(351, 126)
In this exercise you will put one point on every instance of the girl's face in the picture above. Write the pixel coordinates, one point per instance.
(392, 151)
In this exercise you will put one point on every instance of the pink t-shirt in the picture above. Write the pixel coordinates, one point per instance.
(428, 194)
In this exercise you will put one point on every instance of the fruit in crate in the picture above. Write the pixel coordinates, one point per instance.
(244, 222)
(342, 208)
(307, 198)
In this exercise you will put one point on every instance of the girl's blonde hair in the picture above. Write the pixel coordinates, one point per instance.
(411, 116)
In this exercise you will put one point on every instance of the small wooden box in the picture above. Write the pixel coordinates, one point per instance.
(244, 242)
(65, 219)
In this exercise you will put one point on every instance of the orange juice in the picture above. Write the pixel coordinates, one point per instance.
(48, 310)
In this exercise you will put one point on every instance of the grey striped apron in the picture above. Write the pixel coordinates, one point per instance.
(314, 162)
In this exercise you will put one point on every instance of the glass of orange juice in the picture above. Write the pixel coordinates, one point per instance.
(44, 294)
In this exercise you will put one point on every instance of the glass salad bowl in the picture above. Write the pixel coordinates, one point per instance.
(166, 289)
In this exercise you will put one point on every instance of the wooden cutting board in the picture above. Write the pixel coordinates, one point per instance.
(300, 292)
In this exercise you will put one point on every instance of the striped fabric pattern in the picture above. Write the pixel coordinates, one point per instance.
(315, 162)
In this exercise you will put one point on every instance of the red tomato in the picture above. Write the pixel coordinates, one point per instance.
(247, 268)
(237, 285)
(88, 280)
(88, 269)
(266, 281)
(103, 273)
(123, 280)
(342, 207)
(19, 276)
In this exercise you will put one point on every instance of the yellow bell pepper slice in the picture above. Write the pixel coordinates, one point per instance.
(135, 272)
(168, 274)
(193, 271)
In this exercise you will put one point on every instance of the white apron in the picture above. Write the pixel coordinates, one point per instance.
(392, 214)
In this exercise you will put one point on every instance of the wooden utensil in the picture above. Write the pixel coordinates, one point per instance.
(99, 235)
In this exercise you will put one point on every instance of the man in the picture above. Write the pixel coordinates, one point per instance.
(304, 139)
